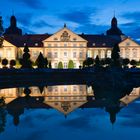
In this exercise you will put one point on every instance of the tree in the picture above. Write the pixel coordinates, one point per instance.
(108, 61)
(40, 61)
(46, 62)
(70, 64)
(12, 63)
(60, 65)
(115, 55)
(125, 62)
(97, 61)
(4, 63)
(133, 63)
(50, 65)
(25, 61)
(89, 61)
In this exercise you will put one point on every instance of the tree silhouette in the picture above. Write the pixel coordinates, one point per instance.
(125, 62)
(133, 63)
(40, 61)
(25, 61)
(50, 65)
(97, 61)
(4, 63)
(60, 65)
(108, 61)
(12, 63)
(115, 55)
(70, 64)
(46, 62)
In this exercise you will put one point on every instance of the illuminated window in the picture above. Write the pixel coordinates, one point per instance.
(74, 54)
(65, 88)
(102, 54)
(8, 53)
(75, 88)
(134, 53)
(127, 53)
(65, 54)
(49, 54)
(81, 54)
(74, 45)
(65, 65)
(55, 54)
(109, 54)
(49, 45)
(65, 45)
(50, 89)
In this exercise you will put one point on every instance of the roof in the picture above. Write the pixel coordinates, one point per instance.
(29, 40)
(36, 40)
(101, 40)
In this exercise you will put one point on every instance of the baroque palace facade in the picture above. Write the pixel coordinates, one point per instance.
(66, 45)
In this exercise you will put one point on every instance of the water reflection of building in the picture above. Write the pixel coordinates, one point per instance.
(135, 94)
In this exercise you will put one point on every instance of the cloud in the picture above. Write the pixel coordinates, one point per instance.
(81, 16)
(41, 24)
(132, 15)
(25, 18)
(34, 4)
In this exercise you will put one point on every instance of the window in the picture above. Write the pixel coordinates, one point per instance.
(56, 89)
(74, 54)
(65, 65)
(93, 44)
(74, 88)
(36, 44)
(81, 88)
(49, 54)
(74, 45)
(65, 45)
(109, 54)
(81, 45)
(8, 53)
(102, 54)
(50, 89)
(74, 39)
(134, 53)
(55, 45)
(127, 53)
(65, 88)
(65, 54)
(81, 54)
(49, 45)
(55, 54)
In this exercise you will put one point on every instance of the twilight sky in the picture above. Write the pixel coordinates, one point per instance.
(81, 16)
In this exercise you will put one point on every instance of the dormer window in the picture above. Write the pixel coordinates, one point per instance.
(104, 44)
(24, 44)
(74, 39)
(36, 44)
(93, 44)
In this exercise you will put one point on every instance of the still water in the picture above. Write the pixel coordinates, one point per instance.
(69, 112)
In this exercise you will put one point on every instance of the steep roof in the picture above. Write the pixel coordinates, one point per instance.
(30, 40)
(101, 40)
(36, 40)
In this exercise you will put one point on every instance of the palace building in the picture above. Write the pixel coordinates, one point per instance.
(65, 45)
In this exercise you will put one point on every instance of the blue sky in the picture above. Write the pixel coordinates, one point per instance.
(81, 16)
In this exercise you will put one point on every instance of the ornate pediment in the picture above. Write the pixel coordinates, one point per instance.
(65, 36)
